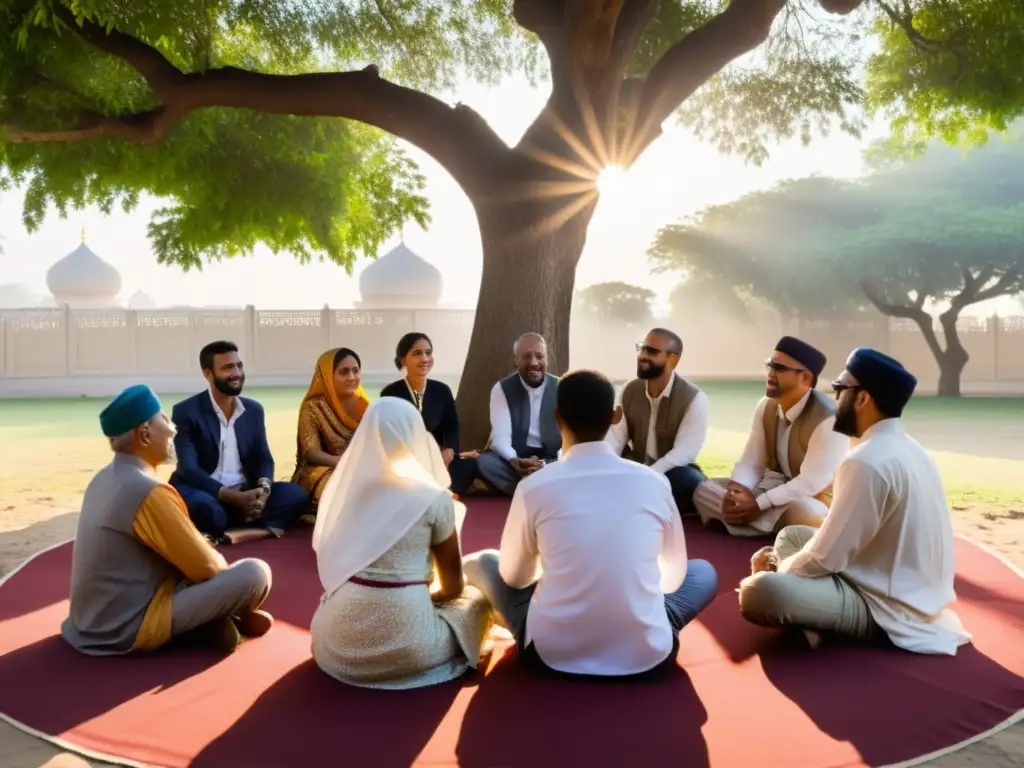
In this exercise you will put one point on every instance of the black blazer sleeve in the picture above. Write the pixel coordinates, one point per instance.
(188, 472)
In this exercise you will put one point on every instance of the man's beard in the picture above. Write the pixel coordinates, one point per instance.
(228, 387)
(846, 420)
(525, 376)
(652, 371)
(172, 454)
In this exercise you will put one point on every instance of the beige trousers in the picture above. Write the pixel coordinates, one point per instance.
(708, 501)
(825, 604)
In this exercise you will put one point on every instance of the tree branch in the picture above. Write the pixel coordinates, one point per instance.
(905, 21)
(633, 19)
(457, 137)
(686, 66)
(913, 312)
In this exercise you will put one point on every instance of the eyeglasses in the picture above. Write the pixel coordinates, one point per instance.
(647, 349)
(771, 365)
(838, 389)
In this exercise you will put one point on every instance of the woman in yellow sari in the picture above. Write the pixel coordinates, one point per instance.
(328, 417)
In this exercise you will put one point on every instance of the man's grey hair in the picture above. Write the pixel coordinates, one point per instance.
(531, 336)
(123, 443)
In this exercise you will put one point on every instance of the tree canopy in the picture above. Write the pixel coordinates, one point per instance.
(226, 110)
(944, 231)
(186, 100)
(619, 303)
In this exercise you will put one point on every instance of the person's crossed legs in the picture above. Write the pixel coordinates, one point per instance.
(232, 598)
(684, 482)
(287, 502)
(824, 604)
(511, 604)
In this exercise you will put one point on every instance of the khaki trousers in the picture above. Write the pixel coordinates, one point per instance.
(241, 588)
(708, 501)
(825, 604)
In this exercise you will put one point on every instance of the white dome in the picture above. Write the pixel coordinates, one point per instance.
(401, 277)
(83, 275)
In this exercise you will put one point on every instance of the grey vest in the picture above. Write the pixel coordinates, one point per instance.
(113, 575)
(519, 410)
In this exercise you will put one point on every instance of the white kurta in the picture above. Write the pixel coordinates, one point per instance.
(889, 533)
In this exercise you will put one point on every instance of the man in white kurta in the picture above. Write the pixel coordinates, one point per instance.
(882, 563)
(784, 476)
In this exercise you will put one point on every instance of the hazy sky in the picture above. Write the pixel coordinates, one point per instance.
(676, 176)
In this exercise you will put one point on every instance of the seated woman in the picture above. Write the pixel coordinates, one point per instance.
(435, 401)
(328, 417)
(385, 520)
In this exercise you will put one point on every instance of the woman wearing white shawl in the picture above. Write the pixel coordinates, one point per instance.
(384, 518)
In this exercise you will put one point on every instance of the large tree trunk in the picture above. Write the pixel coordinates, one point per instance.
(529, 270)
(953, 358)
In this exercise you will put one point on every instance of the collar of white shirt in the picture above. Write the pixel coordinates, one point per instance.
(886, 426)
(239, 409)
(794, 413)
(534, 392)
(595, 448)
(664, 393)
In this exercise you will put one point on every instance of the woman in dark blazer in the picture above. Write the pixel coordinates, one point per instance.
(435, 402)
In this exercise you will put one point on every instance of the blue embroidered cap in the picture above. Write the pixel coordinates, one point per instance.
(132, 407)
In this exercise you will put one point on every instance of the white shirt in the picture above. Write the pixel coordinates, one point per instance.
(825, 450)
(608, 538)
(229, 466)
(690, 437)
(889, 533)
(501, 420)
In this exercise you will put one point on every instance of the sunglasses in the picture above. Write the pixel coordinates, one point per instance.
(838, 389)
(771, 365)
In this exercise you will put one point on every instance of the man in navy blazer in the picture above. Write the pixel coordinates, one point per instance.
(225, 471)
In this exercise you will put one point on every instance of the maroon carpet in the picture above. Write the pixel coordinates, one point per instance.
(742, 696)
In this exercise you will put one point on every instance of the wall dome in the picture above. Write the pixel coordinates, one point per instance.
(83, 279)
(401, 279)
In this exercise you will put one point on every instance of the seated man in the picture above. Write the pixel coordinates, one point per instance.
(225, 470)
(666, 417)
(524, 435)
(881, 565)
(140, 572)
(614, 586)
(784, 476)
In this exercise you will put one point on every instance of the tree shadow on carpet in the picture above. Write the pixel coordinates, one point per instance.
(893, 705)
(519, 718)
(78, 688)
(309, 718)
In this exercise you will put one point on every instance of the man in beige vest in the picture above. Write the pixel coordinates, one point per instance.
(784, 476)
(666, 417)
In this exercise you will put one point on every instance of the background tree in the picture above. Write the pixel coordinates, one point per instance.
(939, 234)
(211, 93)
(619, 303)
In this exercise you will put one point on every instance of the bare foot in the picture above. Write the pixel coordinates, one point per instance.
(254, 623)
(765, 559)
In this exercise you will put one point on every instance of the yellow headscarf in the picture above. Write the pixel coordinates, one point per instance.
(323, 386)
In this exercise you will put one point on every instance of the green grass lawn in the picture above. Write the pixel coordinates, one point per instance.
(52, 445)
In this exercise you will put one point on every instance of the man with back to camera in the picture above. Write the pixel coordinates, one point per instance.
(225, 470)
(615, 585)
